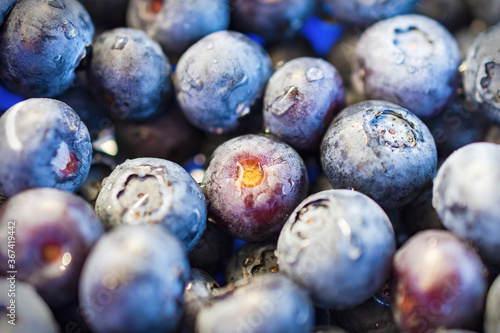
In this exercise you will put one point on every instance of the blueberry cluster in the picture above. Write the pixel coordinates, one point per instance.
(250, 166)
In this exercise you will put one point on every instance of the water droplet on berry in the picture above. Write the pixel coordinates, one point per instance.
(69, 29)
(210, 46)
(285, 102)
(314, 74)
(399, 58)
(411, 69)
(120, 43)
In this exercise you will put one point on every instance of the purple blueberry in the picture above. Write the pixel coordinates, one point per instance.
(466, 196)
(410, 60)
(177, 24)
(439, 282)
(54, 231)
(129, 74)
(338, 244)
(133, 281)
(219, 78)
(252, 183)
(381, 150)
(301, 99)
(154, 191)
(42, 42)
(43, 143)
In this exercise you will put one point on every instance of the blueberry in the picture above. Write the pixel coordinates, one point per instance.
(481, 78)
(252, 183)
(455, 127)
(177, 24)
(129, 74)
(199, 289)
(362, 12)
(169, 136)
(219, 78)
(107, 13)
(410, 60)
(154, 191)
(29, 313)
(380, 149)
(54, 231)
(273, 20)
(453, 14)
(339, 245)
(492, 311)
(465, 196)
(301, 99)
(263, 304)
(43, 143)
(250, 260)
(42, 42)
(440, 282)
(372, 316)
(133, 281)
(213, 250)
(5, 8)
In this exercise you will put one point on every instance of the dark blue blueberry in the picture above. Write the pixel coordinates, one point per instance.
(154, 191)
(29, 312)
(54, 231)
(482, 76)
(338, 244)
(273, 20)
(300, 101)
(93, 115)
(5, 8)
(199, 289)
(252, 183)
(107, 13)
(466, 196)
(453, 14)
(410, 60)
(362, 12)
(42, 42)
(212, 251)
(372, 316)
(133, 281)
(129, 74)
(380, 149)
(219, 78)
(438, 282)
(492, 312)
(169, 136)
(250, 260)
(43, 143)
(177, 24)
(264, 304)
(455, 127)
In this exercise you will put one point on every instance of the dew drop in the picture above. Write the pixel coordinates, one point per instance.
(242, 110)
(285, 102)
(411, 69)
(215, 61)
(314, 74)
(399, 58)
(210, 46)
(120, 43)
(69, 29)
